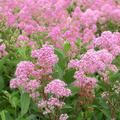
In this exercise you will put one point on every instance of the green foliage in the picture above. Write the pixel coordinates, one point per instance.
(25, 102)
(66, 46)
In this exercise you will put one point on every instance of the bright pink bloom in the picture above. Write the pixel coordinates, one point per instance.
(109, 41)
(24, 68)
(58, 88)
(45, 58)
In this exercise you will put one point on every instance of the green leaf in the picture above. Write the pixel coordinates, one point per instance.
(80, 116)
(62, 58)
(25, 102)
(66, 46)
(78, 43)
(68, 76)
(59, 53)
(14, 100)
(58, 73)
(112, 26)
(74, 90)
(24, 53)
(3, 116)
(1, 83)
(67, 107)
(106, 113)
(31, 117)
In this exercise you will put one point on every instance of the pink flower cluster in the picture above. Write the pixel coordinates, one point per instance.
(23, 41)
(52, 17)
(109, 9)
(23, 74)
(24, 68)
(31, 15)
(29, 74)
(109, 41)
(2, 50)
(90, 63)
(45, 58)
(57, 87)
(33, 77)
(50, 104)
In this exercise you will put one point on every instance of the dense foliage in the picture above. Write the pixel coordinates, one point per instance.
(59, 60)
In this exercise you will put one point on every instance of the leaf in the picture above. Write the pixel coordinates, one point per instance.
(14, 101)
(31, 117)
(2, 114)
(80, 116)
(5, 115)
(74, 90)
(78, 43)
(67, 107)
(106, 113)
(112, 26)
(66, 46)
(25, 102)
(24, 53)
(1, 83)
(60, 53)
(58, 72)
(68, 77)
(62, 58)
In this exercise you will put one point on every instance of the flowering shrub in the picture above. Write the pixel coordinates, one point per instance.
(59, 59)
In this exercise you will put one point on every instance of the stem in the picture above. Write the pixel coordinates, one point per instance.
(56, 114)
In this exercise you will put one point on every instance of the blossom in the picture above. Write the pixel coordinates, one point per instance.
(2, 50)
(32, 85)
(55, 102)
(13, 84)
(24, 68)
(58, 88)
(109, 41)
(90, 17)
(63, 117)
(92, 62)
(24, 38)
(45, 58)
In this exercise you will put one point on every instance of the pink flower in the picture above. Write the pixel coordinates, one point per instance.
(45, 58)
(109, 41)
(13, 83)
(42, 104)
(24, 38)
(2, 50)
(91, 62)
(58, 88)
(88, 35)
(74, 64)
(24, 68)
(35, 95)
(55, 102)
(90, 17)
(63, 117)
(18, 82)
(32, 85)
(55, 33)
